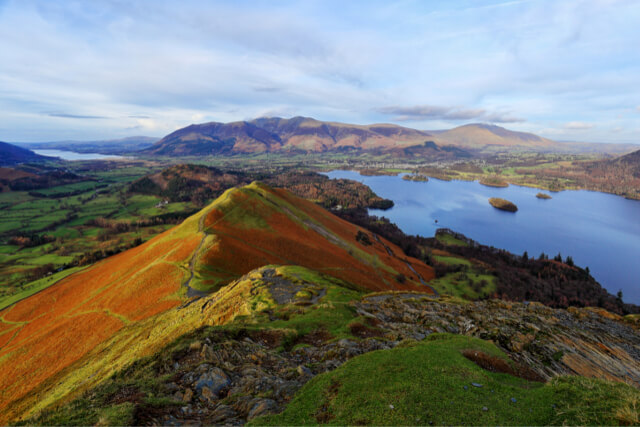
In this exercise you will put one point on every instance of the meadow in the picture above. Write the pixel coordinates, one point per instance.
(72, 219)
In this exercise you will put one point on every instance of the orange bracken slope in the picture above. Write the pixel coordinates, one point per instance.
(243, 229)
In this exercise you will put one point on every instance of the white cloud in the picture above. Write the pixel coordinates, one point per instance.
(437, 112)
(177, 63)
(578, 126)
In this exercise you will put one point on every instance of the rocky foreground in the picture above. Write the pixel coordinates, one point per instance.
(219, 380)
(287, 325)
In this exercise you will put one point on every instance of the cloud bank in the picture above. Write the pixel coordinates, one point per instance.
(433, 112)
(106, 68)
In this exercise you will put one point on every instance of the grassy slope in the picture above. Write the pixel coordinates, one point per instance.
(431, 382)
(240, 302)
(36, 286)
(288, 230)
(41, 336)
(472, 282)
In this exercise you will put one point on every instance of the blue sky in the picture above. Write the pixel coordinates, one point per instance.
(568, 70)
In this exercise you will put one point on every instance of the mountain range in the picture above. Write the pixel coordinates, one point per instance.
(303, 134)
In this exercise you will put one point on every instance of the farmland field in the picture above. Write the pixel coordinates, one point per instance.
(77, 224)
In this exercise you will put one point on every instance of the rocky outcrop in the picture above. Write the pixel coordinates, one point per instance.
(231, 381)
(219, 380)
(587, 342)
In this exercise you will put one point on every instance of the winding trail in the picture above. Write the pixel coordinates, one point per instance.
(191, 292)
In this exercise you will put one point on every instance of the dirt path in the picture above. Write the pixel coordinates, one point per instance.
(191, 292)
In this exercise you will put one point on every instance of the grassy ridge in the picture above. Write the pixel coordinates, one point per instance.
(155, 339)
(431, 382)
(134, 292)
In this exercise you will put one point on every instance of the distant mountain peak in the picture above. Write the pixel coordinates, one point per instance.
(479, 135)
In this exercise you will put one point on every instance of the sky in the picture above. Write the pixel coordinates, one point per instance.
(95, 70)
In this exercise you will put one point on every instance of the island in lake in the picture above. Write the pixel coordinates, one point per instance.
(416, 177)
(503, 204)
(494, 181)
(543, 196)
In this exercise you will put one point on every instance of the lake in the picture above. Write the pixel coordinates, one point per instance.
(72, 155)
(598, 230)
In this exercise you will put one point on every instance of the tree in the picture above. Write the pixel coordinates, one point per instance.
(363, 238)
(525, 256)
(569, 261)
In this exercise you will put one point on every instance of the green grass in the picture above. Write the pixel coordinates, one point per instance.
(62, 190)
(451, 260)
(332, 313)
(424, 383)
(465, 284)
(448, 239)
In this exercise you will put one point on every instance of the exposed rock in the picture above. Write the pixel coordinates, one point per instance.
(214, 380)
(303, 370)
(261, 407)
(550, 341)
(236, 380)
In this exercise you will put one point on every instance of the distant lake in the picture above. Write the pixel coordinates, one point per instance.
(598, 230)
(72, 155)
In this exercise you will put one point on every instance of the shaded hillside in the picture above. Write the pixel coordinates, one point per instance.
(201, 183)
(472, 270)
(21, 180)
(482, 136)
(620, 175)
(188, 182)
(9, 175)
(427, 151)
(83, 326)
(276, 134)
(12, 155)
(108, 146)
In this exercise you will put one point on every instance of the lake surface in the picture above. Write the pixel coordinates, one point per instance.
(598, 230)
(72, 155)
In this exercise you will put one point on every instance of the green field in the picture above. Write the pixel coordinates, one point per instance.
(65, 213)
(470, 285)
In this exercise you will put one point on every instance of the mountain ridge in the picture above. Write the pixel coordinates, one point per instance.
(139, 292)
(277, 134)
(12, 154)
